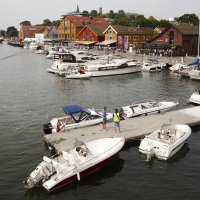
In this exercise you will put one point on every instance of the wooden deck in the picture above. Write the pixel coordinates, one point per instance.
(131, 128)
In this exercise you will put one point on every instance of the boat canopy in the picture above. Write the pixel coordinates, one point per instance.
(195, 62)
(73, 109)
(76, 112)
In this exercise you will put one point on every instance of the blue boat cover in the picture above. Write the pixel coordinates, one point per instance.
(195, 62)
(73, 109)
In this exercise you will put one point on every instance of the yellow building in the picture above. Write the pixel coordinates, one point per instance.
(70, 26)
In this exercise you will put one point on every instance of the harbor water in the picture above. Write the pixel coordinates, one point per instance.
(30, 97)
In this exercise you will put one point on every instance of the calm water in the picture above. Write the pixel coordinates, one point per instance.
(30, 96)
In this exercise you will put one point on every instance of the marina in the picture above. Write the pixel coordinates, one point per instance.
(131, 128)
(34, 97)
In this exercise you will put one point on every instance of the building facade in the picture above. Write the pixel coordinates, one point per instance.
(126, 36)
(70, 26)
(181, 38)
(28, 31)
(91, 34)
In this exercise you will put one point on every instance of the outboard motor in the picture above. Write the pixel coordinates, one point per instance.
(47, 128)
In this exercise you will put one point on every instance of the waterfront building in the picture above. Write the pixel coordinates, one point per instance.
(28, 31)
(39, 32)
(91, 34)
(122, 37)
(49, 33)
(179, 39)
(70, 26)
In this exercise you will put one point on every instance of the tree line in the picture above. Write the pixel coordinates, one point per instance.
(117, 18)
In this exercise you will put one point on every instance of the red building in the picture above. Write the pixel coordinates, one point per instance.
(181, 38)
(91, 34)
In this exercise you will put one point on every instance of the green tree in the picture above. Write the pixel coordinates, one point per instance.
(2, 33)
(141, 21)
(46, 22)
(85, 13)
(26, 23)
(153, 22)
(111, 14)
(164, 23)
(55, 23)
(11, 32)
(121, 13)
(93, 13)
(189, 18)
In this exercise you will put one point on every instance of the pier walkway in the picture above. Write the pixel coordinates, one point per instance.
(131, 128)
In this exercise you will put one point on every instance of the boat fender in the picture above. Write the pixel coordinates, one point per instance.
(78, 176)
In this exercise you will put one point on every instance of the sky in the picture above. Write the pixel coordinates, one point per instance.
(15, 11)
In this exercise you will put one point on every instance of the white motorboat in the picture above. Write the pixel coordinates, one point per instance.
(177, 67)
(112, 67)
(40, 51)
(153, 66)
(195, 73)
(148, 107)
(63, 62)
(195, 98)
(165, 142)
(33, 46)
(70, 166)
(76, 117)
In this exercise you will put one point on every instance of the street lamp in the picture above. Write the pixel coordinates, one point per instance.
(172, 47)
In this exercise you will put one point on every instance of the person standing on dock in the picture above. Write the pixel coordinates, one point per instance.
(116, 118)
(104, 117)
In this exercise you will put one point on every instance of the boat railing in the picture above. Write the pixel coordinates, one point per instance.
(153, 101)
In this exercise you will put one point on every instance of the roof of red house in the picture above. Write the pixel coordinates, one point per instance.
(186, 28)
(28, 28)
(97, 29)
(132, 30)
(80, 21)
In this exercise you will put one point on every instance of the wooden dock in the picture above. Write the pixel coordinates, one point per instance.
(131, 128)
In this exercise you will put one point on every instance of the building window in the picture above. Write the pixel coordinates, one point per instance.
(68, 36)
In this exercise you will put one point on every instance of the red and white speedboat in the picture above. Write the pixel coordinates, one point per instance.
(70, 166)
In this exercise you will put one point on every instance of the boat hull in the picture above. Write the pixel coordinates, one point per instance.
(86, 172)
(112, 72)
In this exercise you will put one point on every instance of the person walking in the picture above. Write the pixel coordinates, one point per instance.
(104, 117)
(116, 118)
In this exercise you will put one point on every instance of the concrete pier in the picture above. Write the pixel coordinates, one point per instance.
(131, 128)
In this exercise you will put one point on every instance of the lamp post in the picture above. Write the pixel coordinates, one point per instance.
(172, 47)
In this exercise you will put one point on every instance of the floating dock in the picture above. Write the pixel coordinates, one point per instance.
(131, 128)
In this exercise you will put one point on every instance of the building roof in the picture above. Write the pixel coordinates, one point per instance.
(80, 21)
(31, 29)
(186, 28)
(97, 29)
(183, 28)
(119, 29)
